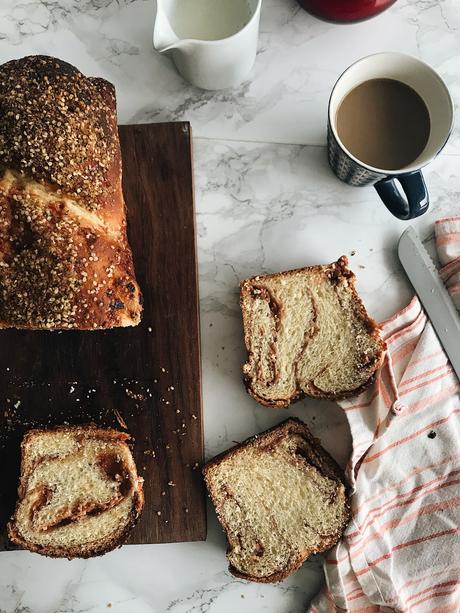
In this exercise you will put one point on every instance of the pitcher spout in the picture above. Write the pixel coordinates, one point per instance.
(164, 37)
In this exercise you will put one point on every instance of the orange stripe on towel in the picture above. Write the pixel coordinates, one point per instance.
(430, 426)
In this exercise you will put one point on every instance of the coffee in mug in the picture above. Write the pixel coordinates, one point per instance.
(389, 115)
(384, 123)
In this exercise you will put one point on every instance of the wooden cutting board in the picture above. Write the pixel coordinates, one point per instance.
(148, 377)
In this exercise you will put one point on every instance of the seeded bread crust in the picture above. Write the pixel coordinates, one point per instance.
(337, 272)
(320, 459)
(91, 550)
(65, 258)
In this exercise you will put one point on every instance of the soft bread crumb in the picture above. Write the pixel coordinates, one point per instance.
(307, 333)
(280, 498)
(79, 492)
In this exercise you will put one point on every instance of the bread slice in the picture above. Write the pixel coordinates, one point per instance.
(307, 333)
(79, 493)
(280, 497)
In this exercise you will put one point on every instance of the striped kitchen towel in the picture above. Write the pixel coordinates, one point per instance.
(401, 550)
(447, 232)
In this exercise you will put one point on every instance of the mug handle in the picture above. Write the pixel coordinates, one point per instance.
(416, 201)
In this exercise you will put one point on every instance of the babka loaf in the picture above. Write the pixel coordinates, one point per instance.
(65, 261)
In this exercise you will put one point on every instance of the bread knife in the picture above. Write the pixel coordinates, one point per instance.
(430, 289)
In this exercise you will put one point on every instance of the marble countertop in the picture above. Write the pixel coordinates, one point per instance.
(266, 201)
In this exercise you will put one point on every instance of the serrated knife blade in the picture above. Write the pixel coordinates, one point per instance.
(436, 301)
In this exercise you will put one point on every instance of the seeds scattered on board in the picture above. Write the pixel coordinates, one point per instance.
(133, 395)
(133, 391)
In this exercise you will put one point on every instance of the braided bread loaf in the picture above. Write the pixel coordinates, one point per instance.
(65, 261)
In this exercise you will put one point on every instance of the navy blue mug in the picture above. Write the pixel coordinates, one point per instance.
(409, 199)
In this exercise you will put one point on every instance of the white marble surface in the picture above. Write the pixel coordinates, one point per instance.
(266, 201)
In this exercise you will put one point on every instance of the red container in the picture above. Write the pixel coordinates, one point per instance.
(345, 11)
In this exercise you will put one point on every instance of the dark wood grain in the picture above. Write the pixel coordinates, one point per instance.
(149, 376)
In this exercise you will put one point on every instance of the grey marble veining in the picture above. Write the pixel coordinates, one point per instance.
(266, 201)
(285, 97)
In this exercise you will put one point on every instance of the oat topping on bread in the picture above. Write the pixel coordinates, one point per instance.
(65, 261)
(280, 497)
(79, 493)
(307, 334)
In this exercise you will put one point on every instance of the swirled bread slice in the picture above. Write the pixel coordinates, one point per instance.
(280, 497)
(79, 493)
(307, 333)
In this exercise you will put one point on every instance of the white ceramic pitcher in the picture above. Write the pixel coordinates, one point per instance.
(209, 64)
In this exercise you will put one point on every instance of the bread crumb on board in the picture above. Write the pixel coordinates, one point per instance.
(120, 419)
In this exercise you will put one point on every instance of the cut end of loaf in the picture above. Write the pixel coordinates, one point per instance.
(79, 493)
(307, 333)
(280, 497)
